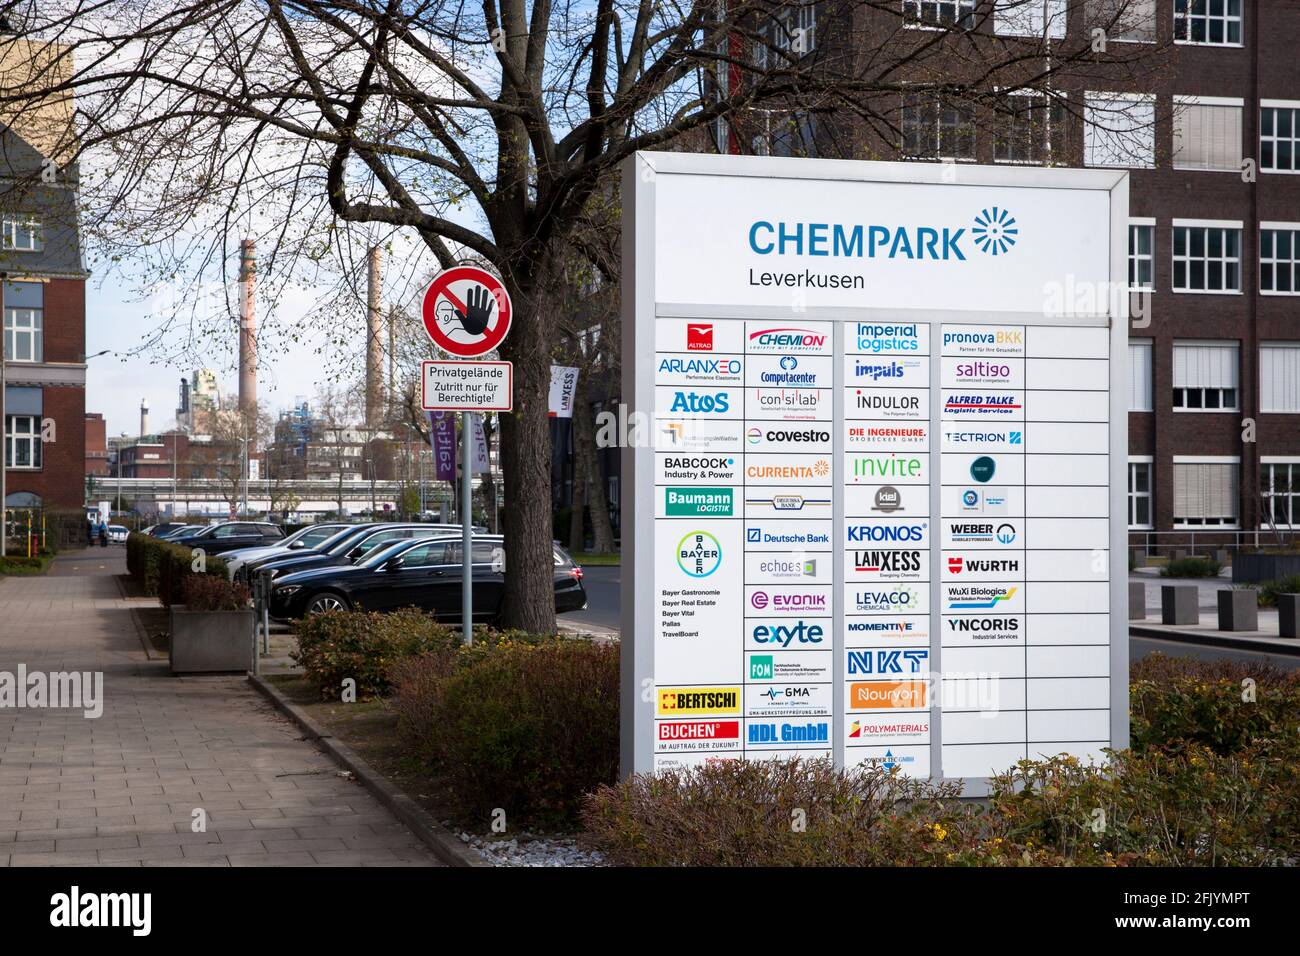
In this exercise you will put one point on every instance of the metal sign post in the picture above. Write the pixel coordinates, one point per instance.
(466, 532)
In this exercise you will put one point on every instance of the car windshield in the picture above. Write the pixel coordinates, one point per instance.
(339, 541)
(382, 553)
(311, 537)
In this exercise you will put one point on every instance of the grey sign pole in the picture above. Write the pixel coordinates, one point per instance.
(466, 519)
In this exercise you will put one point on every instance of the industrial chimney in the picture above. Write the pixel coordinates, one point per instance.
(144, 417)
(247, 326)
(374, 340)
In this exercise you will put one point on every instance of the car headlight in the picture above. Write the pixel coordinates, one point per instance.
(288, 590)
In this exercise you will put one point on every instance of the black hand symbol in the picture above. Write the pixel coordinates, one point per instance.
(478, 310)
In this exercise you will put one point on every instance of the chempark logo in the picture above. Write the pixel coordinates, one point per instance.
(994, 232)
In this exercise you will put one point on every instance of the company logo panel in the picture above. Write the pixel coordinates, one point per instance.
(981, 438)
(791, 567)
(788, 634)
(984, 405)
(788, 667)
(890, 695)
(887, 338)
(983, 469)
(988, 501)
(895, 631)
(967, 372)
(695, 736)
(982, 630)
(664, 763)
(1007, 341)
(698, 501)
(864, 729)
(887, 468)
(982, 566)
(697, 591)
(697, 701)
(981, 598)
(772, 737)
(790, 404)
(886, 564)
(699, 401)
(788, 535)
(979, 534)
(790, 338)
(696, 368)
(697, 467)
(787, 601)
(805, 470)
(706, 338)
(699, 434)
(908, 761)
(813, 438)
(901, 501)
(887, 435)
(885, 598)
(887, 663)
(788, 700)
(893, 404)
(886, 371)
(789, 371)
(790, 502)
(886, 532)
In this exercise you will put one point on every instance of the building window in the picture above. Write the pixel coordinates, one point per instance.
(1207, 135)
(1119, 131)
(1139, 375)
(1030, 18)
(1279, 377)
(1279, 138)
(23, 442)
(934, 130)
(1205, 376)
(1207, 258)
(940, 13)
(1139, 493)
(1142, 256)
(1032, 131)
(1133, 21)
(20, 233)
(1279, 259)
(1205, 492)
(1279, 487)
(23, 339)
(1208, 21)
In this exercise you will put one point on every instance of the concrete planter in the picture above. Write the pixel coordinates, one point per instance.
(211, 641)
(1251, 568)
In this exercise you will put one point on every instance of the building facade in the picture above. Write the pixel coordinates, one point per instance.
(1209, 127)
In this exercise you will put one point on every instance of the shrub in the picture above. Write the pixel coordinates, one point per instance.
(207, 592)
(161, 567)
(1191, 568)
(23, 565)
(365, 645)
(529, 727)
(1269, 590)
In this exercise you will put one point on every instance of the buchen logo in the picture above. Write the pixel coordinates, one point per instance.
(688, 701)
(699, 554)
(698, 730)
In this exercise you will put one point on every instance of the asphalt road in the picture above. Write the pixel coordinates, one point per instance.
(603, 603)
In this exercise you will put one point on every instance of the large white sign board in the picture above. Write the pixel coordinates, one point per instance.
(878, 504)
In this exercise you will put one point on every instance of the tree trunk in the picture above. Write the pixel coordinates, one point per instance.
(577, 528)
(528, 601)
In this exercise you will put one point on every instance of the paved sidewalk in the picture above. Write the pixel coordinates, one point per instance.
(122, 789)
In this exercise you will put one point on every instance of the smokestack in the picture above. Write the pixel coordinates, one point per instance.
(247, 326)
(144, 417)
(392, 357)
(374, 338)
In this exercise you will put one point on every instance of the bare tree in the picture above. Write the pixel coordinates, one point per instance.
(337, 410)
(484, 131)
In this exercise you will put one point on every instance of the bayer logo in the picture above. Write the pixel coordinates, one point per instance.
(995, 231)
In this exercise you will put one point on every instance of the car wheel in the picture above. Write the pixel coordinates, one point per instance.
(329, 601)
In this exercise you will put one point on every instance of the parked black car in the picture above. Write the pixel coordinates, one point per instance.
(165, 528)
(230, 536)
(346, 547)
(423, 573)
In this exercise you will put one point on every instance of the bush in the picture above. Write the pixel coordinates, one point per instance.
(529, 727)
(1269, 590)
(206, 592)
(1191, 568)
(365, 645)
(23, 565)
(161, 567)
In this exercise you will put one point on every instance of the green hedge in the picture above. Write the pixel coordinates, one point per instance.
(162, 567)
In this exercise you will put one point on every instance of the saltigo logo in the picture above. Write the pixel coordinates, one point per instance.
(786, 339)
(699, 554)
(689, 701)
(995, 231)
(699, 502)
(982, 468)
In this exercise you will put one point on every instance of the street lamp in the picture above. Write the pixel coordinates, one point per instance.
(4, 424)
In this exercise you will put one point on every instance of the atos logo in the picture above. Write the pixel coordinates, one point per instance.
(995, 231)
(718, 403)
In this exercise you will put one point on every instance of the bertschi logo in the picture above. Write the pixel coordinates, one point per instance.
(693, 701)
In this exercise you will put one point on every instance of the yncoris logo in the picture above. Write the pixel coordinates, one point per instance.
(699, 337)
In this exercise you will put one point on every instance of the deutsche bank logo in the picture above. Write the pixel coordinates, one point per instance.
(995, 231)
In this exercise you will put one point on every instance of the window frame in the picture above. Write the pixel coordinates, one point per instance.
(11, 223)
(1135, 258)
(31, 437)
(1102, 97)
(33, 331)
(1232, 102)
(1204, 390)
(1226, 226)
(1272, 260)
(1147, 463)
(1187, 16)
(1054, 110)
(1233, 460)
(1277, 106)
(935, 129)
(1267, 466)
(916, 21)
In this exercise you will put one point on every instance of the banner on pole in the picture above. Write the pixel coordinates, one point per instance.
(564, 386)
(442, 437)
(478, 464)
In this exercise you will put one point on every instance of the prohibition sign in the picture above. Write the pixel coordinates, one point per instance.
(466, 311)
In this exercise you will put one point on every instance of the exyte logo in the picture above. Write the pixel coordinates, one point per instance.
(800, 632)
(699, 554)
(995, 231)
(887, 662)
(787, 340)
(718, 403)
